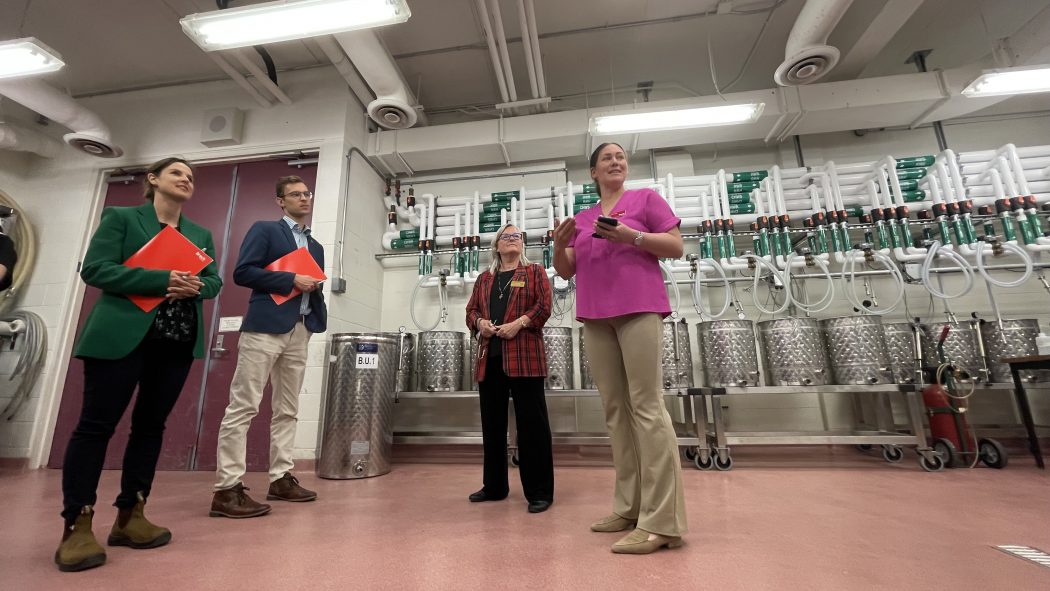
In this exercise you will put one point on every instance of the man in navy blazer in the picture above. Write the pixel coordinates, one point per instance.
(273, 345)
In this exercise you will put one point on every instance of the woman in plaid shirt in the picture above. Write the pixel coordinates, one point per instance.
(510, 303)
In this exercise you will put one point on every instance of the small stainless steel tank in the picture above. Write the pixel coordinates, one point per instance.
(793, 352)
(961, 348)
(586, 378)
(728, 352)
(677, 358)
(440, 360)
(357, 434)
(557, 342)
(900, 346)
(407, 349)
(857, 350)
(1016, 338)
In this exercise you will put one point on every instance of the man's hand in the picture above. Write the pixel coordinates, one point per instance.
(306, 284)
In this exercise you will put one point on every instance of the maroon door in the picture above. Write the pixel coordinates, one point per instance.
(191, 434)
(254, 200)
(209, 207)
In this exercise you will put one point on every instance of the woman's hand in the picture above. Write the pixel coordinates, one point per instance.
(621, 233)
(183, 285)
(509, 330)
(486, 327)
(564, 231)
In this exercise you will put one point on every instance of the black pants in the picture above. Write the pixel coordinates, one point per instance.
(536, 462)
(159, 369)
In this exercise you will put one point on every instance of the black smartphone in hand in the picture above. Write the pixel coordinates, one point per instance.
(607, 222)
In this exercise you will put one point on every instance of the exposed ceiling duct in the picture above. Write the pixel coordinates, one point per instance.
(395, 105)
(89, 133)
(21, 139)
(808, 57)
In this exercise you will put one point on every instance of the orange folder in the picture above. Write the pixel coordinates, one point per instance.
(299, 262)
(169, 251)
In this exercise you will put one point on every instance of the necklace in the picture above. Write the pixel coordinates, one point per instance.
(502, 290)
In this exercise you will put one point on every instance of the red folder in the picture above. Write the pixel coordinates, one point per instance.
(169, 251)
(299, 262)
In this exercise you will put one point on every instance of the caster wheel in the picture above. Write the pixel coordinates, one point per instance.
(724, 465)
(931, 463)
(945, 449)
(892, 454)
(863, 447)
(514, 460)
(690, 453)
(702, 464)
(992, 453)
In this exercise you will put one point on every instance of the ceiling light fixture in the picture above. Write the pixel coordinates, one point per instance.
(27, 57)
(1010, 81)
(676, 119)
(285, 20)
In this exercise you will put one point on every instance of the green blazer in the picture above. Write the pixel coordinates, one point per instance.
(116, 325)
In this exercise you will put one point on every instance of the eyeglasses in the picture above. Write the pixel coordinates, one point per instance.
(508, 236)
(298, 195)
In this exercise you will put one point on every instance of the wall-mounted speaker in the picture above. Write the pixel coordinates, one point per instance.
(222, 127)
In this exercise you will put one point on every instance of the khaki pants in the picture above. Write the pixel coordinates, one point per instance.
(624, 353)
(282, 358)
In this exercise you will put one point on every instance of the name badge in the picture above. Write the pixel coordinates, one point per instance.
(517, 284)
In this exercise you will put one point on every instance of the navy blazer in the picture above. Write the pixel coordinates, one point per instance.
(265, 243)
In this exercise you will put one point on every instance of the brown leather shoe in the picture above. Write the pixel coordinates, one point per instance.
(286, 488)
(236, 504)
(79, 549)
(133, 529)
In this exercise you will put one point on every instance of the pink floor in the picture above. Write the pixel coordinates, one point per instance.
(781, 519)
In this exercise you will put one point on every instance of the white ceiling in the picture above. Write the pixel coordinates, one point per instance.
(595, 52)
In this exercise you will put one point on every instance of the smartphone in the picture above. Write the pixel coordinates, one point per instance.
(607, 222)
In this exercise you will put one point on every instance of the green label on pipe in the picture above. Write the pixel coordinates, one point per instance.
(489, 217)
(506, 195)
(581, 207)
(409, 234)
(495, 206)
(741, 187)
(908, 185)
(404, 243)
(588, 198)
(913, 196)
(735, 198)
(911, 174)
(590, 187)
(915, 161)
(854, 211)
(735, 208)
(749, 176)
(489, 227)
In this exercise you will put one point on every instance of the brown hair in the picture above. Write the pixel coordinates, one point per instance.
(155, 169)
(284, 181)
(594, 161)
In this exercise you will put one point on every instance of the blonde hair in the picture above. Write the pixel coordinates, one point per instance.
(496, 260)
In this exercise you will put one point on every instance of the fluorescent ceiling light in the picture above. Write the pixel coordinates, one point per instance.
(285, 20)
(27, 57)
(1010, 81)
(676, 119)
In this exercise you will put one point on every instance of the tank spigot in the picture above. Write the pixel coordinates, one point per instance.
(692, 258)
(869, 252)
(807, 255)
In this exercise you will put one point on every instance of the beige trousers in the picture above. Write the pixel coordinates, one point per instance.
(624, 353)
(282, 358)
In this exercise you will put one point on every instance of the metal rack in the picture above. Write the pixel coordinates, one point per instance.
(713, 450)
(685, 440)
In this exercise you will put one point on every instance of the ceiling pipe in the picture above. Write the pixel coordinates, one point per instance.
(88, 133)
(526, 46)
(490, 40)
(394, 106)
(501, 40)
(808, 57)
(530, 11)
(261, 77)
(239, 79)
(346, 69)
(21, 139)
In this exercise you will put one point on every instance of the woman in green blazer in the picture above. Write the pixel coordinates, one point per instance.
(124, 348)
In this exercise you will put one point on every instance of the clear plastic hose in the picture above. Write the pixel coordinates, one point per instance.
(758, 277)
(829, 295)
(964, 266)
(674, 287)
(697, 302)
(442, 299)
(997, 282)
(849, 268)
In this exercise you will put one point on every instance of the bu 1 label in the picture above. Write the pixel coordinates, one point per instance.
(367, 356)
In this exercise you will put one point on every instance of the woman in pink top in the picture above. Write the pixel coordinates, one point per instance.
(621, 300)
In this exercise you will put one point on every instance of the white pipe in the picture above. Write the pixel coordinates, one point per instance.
(457, 233)
(808, 40)
(261, 77)
(537, 57)
(477, 214)
(952, 163)
(490, 40)
(550, 216)
(1015, 162)
(997, 182)
(381, 73)
(526, 47)
(986, 155)
(27, 140)
(342, 65)
(723, 192)
(873, 195)
(501, 41)
(778, 188)
(521, 208)
(46, 100)
(1008, 176)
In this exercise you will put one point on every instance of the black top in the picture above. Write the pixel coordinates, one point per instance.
(8, 258)
(498, 298)
(176, 320)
